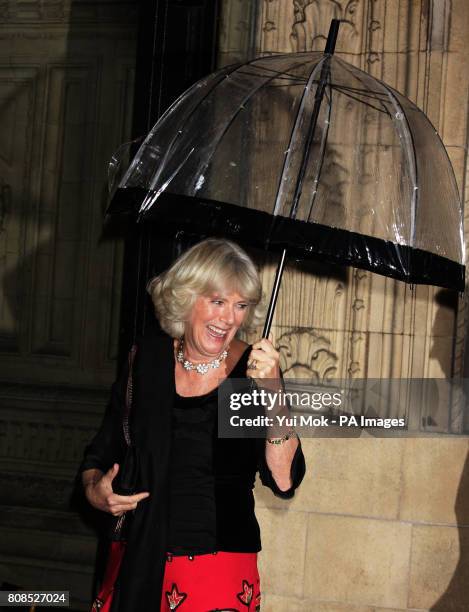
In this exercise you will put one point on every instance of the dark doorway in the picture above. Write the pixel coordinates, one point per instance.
(177, 46)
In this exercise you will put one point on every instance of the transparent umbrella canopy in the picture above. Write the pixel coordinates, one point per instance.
(308, 153)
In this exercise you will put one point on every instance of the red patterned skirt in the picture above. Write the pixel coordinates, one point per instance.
(222, 582)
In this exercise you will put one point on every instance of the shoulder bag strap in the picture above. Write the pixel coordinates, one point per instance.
(128, 396)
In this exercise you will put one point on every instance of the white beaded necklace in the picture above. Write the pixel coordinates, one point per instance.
(201, 368)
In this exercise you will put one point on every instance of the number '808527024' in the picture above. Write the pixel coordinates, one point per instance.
(19, 598)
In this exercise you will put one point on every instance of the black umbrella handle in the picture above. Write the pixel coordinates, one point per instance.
(274, 295)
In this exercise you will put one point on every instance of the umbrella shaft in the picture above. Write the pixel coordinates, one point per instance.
(274, 295)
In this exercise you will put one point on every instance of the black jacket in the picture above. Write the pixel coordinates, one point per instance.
(142, 569)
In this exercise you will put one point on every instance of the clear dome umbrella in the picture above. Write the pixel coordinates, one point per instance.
(304, 154)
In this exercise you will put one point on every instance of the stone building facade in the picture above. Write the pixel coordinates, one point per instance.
(379, 524)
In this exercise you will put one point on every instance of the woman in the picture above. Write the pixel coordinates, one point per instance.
(194, 537)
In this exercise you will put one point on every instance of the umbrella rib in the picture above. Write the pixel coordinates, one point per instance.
(152, 196)
(412, 160)
(367, 93)
(349, 95)
(376, 97)
(294, 130)
(285, 76)
(321, 153)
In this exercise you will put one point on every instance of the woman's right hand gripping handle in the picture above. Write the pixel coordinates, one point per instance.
(99, 493)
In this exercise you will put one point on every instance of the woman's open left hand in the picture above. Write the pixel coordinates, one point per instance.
(101, 496)
(263, 361)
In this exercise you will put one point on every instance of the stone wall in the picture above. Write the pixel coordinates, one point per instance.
(379, 524)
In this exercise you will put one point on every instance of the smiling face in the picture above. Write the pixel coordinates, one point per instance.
(212, 325)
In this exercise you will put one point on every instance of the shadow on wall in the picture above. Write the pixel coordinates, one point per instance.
(456, 596)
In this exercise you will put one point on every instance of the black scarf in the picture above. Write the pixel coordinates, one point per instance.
(141, 574)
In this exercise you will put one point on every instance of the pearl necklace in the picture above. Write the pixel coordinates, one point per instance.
(201, 368)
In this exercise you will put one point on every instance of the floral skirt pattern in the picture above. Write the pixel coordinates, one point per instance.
(215, 582)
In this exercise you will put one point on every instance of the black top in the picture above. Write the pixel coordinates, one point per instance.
(154, 391)
(211, 504)
(192, 505)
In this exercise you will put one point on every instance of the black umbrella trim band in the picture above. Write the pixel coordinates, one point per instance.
(304, 240)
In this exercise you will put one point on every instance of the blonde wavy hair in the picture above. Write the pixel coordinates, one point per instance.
(211, 266)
